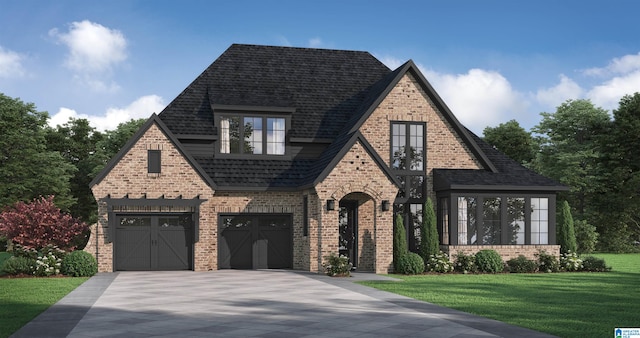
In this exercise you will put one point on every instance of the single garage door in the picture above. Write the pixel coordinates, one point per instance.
(154, 242)
(255, 242)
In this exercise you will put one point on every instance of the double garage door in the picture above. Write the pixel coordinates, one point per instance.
(262, 241)
(154, 242)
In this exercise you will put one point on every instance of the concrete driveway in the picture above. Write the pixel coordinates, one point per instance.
(263, 303)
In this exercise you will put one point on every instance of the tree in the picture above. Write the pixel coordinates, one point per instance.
(619, 204)
(76, 141)
(399, 242)
(566, 231)
(111, 143)
(40, 223)
(27, 168)
(512, 140)
(429, 242)
(568, 141)
(586, 236)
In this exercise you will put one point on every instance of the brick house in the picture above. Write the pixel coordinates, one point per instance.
(275, 157)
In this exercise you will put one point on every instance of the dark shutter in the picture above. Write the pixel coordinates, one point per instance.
(153, 161)
(305, 216)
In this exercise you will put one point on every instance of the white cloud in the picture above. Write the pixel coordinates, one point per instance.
(478, 98)
(315, 43)
(621, 65)
(143, 107)
(93, 48)
(608, 94)
(10, 64)
(565, 90)
(391, 61)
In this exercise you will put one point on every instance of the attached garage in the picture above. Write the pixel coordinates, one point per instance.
(262, 241)
(154, 242)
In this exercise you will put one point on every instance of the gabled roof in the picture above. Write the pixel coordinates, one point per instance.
(154, 119)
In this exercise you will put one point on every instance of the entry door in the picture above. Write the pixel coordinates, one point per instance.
(154, 242)
(348, 230)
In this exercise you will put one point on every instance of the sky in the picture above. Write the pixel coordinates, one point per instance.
(491, 61)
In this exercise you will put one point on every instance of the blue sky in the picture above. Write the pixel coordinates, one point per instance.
(491, 61)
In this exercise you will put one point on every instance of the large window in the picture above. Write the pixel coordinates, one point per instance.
(496, 220)
(408, 163)
(252, 135)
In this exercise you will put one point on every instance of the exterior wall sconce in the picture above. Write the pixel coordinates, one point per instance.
(331, 204)
(385, 205)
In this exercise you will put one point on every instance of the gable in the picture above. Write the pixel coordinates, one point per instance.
(128, 172)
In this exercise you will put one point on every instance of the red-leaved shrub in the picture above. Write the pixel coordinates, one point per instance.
(40, 223)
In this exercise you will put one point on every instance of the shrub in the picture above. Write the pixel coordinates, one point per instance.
(399, 242)
(410, 264)
(570, 261)
(83, 264)
(547, 262)
(586, 236)
(40, 223)
(440, 262)
(3, 243)
(465, 263)
(522, 265)
(594, 264)
(47, 265)
(429, 242)
(489, 261)
(19, 265)
(566, 231)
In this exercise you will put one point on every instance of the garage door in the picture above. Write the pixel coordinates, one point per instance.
(255, 242)
(154, 242)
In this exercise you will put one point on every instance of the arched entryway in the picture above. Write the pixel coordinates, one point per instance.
(356, 227)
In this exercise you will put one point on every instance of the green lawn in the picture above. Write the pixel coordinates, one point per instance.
(22, 299)
(563, 304)
(3, 257)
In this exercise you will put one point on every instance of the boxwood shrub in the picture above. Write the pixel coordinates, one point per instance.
(522, 265)
(489, 261)
(19, 265)
(79, 264)
(595, 264)
(410, 264)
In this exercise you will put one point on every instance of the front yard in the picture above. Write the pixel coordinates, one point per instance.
(578, 304)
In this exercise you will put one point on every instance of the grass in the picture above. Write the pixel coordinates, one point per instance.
(564, 304)
(3, 257)
(22, 299)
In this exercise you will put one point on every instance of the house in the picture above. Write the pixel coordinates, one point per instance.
(275, 157)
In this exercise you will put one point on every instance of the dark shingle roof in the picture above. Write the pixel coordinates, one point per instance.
(510, 174)
(256, 173)
(324, 86)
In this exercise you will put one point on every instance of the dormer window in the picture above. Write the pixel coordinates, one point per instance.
(246, 134)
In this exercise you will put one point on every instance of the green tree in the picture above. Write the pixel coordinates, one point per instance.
(429, 242)
(586, 236)
(111, 143)
(619, 204)
(76, 141)
(27, 168)
(512, 140)
(399, 242)
(568, 141)
(566, 231)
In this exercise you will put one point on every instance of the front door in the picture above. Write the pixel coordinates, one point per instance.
(348, 230)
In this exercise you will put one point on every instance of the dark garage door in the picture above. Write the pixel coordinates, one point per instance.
(154, 242)
(255, 242)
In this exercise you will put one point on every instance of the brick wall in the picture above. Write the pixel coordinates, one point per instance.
(506, 251)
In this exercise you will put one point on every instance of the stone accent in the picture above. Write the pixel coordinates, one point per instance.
(506, 251)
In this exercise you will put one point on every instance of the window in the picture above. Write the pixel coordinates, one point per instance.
(407, 161)
(443, 211)
(153, 161)
(539, 221)
(498, 220)
(252, 135)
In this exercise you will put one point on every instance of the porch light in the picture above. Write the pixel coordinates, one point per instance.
(331, 204)
(385, 205)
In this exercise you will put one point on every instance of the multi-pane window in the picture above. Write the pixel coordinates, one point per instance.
(408, 163)
(252, 135)
(498, 220)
